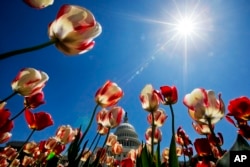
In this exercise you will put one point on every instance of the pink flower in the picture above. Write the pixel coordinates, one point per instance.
(74, 30)
(29, 81)
(109, 94)
(39, 4)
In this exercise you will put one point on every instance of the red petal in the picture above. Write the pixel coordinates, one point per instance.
(63, 10)
(43, 120)
(30, 119)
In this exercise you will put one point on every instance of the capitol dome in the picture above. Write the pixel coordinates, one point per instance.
(127, 136)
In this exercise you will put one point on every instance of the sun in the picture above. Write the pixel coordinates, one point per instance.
(185, 26)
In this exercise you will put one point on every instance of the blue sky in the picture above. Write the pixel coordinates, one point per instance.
(138, 46)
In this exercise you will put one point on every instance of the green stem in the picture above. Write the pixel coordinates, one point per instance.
(153, 134)
(97, 134)
(91, 120)
(7, 98)
(172, 114)
(96, 162)
(173, 160)
(97, 142)
(25, 50)
(184, 157)
(106, 139)
(18, 114)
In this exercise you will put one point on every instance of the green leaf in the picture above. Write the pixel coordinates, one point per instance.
(173, 159)
(50, 156)
(74, 148)
(239, 145)
(157, 155)
(146, 158)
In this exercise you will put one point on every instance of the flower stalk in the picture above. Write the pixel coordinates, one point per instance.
(173, 161)
(28, 49)
(18, 114)
(7, 98)
(214, 136)
(90, 122)
(153, 133)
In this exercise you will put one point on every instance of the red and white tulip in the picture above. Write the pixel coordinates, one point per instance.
(74, 30)
(29, 81)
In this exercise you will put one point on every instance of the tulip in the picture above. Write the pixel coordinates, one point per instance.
(170, 94)
(202, 129)
(28, 161)
(149, 98)
(6, 124)
(85, 155)
(38, 121)
(109, 160)
(4, 137)
(203, 107)
(65, 134)
(239, 108)
(127, 162)
(9, 153)
(156, 138)
(159, 117)
(74, 30)
(109, 94)
(132, 154)
(205, 163)
(39, 4)
(54, 146)
(113, 117)
(202, 147)
(100, 116)
(117, 148)
(34, 101)
(101, 154)
(182, 138)
(165, 155)
(112, 139)
(30, 147)
(15, 163)
(102, 130)
(3, 161)
(29, 81)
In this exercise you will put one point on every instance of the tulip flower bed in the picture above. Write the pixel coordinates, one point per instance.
(73, 32)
